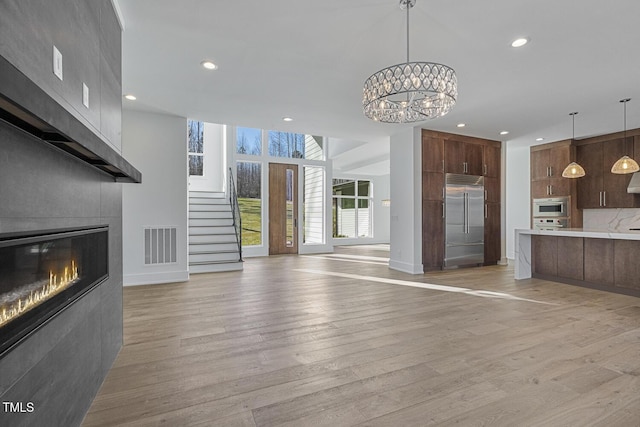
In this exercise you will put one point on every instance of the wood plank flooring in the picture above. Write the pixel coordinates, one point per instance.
(283, 344)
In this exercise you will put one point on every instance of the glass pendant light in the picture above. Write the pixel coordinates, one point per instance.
(625, 164)
(573, 170)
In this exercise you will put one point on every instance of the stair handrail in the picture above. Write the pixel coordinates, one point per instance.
(235, 212)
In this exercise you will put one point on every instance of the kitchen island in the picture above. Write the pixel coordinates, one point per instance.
(600, 259)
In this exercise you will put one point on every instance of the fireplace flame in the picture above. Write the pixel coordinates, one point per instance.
(31, 296)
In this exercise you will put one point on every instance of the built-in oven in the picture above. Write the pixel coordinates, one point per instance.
(556, 206)
(550, 223)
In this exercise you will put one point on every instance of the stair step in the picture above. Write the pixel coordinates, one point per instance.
(208, 194)
(210, 222)
(221, 213)
(213, 246)
(207, 201)
(205, 239)
(226, 256)
(215, 267)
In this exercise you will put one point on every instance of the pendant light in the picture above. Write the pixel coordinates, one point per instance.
(573, 170)
(410, 92)
(625, 164)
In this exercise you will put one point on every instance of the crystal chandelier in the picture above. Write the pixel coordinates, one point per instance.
(410, 92)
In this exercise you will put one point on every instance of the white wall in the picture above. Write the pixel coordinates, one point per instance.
(517, 189)
(406, 202)
(156, 144)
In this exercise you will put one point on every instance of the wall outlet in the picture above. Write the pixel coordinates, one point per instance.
(85, 95)
(57, 63)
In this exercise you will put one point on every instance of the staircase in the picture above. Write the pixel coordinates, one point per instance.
(212, 238)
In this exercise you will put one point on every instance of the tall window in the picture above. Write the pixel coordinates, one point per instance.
(196, 147)
(248, 141)
(352, 208)
(313, 204)
(249, 176)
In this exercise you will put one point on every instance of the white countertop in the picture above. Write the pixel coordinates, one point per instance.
(583, 232)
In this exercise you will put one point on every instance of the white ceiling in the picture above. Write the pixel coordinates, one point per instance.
(308, 60)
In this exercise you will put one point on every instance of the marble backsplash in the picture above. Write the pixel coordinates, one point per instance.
(611, 219)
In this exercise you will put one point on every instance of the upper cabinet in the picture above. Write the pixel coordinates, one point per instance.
(600, 188)
(463, 157)
(547, 163)
(491, 161)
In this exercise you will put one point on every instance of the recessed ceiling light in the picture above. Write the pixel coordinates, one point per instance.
(287, 119)
(519, 42)
(461, 125)
(209, 65)
(539, 139)
(504, 132)
(130, 97)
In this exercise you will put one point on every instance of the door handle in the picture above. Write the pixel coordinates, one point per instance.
(442, 209)
(485, 168)
(486, 214)
(604, 198)
(600, 204)
(551, 190)
(550, 170)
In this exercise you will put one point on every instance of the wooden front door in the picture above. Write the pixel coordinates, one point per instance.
(283, 209)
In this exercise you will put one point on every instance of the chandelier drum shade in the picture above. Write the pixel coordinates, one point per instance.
(410, 92)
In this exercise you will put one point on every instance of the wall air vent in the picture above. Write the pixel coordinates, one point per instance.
(160, 245)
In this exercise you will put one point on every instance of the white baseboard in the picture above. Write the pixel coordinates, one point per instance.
(155, 278)
(406, 267)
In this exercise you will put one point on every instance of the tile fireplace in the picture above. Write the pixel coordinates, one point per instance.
(42, 272)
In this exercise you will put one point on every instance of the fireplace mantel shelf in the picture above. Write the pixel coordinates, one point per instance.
(40, 115)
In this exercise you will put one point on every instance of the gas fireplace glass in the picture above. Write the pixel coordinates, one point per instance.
(41, 273)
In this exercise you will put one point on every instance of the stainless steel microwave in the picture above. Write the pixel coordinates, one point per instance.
(556, 206)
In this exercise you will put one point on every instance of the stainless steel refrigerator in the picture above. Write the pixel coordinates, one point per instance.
(464, 220)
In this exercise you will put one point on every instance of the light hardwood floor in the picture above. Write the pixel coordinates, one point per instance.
(282, 343)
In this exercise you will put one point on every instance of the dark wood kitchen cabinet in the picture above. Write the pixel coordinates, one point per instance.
(598, 261)
(447, 153)
(547, 163)
(604, 263)
(491, 156)
(626, 266)
(432, 201)
(544, 250)
(600, 188)
(492, 237)
(558, 256)
(463, 157)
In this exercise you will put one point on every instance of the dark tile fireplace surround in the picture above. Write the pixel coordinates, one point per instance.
(55, 174)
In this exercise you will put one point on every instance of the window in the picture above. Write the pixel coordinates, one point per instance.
(351, 208)
(195, 141)
(313, 205)
(249, 176)
(248, 141)
(295, 145)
